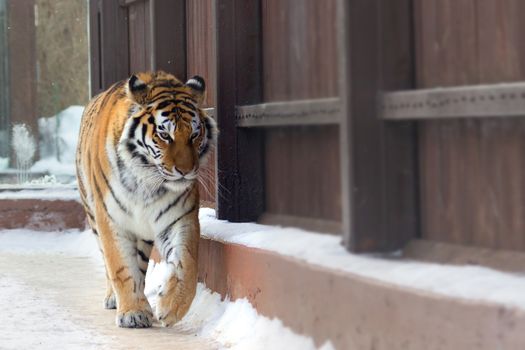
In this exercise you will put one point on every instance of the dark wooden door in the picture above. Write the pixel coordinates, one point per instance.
(135, 35)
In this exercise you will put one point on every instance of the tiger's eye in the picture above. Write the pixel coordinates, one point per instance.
(165, 136)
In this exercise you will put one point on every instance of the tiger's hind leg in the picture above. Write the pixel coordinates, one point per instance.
(110, 300)
(127, 280)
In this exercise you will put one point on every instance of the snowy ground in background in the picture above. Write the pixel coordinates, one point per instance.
(232, 325)
(58, 137)
(56, 192)
(467, 282)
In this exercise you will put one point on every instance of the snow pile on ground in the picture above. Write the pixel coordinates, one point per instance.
(466, 282)
(52, 165)
(4, 163)
(58, 141)
(232, 324)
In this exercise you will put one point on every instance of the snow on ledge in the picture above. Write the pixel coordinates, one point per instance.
(472, 283)
(231, 324)
(49, 194)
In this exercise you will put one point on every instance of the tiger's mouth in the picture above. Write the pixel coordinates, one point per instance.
(178, 178)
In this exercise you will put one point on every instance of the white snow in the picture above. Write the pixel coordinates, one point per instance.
(233, 325)
(56, 329)
(24, 148)
(58, 142)
(465, 282)
(24, 144)
(50, 193)
(4, 163)
(52, 165)
(69, 242)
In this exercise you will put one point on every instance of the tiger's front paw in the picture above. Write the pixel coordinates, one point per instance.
(173, 301)
(135, 319)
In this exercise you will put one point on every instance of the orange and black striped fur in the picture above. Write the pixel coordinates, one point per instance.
(141, 143)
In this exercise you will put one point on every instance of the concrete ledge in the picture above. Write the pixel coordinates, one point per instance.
(41, 215)
(352, 311)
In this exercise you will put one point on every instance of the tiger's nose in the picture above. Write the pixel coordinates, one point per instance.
(181, 171)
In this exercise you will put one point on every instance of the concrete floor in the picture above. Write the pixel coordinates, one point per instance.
(53, 301)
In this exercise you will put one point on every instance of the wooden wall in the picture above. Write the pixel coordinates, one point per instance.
(22, 67)
(472, 172)
(299, 43)
(302, 177)
(200, 54)
(140, 35)
(200, 44)
(299, 61)
(4, 82)
(341, 168)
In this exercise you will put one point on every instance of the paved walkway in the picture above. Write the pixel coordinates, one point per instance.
(53, 301)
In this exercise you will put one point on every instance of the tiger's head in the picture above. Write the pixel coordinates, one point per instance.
(167, 130)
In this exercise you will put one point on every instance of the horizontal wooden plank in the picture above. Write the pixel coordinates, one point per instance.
(125, 3)
(472, 101)
(303, 112)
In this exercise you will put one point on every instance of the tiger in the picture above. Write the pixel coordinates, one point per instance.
(140, 146)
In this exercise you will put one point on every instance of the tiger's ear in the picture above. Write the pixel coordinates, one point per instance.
(137, 90)
(198, 88)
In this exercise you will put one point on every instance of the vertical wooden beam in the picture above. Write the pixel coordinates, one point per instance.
(227, 172)
(377, 159)
(109, 44)
(250, 142)
(240, 167)
(95, 60)
(168, 19)
(22, 63)
(5, 125)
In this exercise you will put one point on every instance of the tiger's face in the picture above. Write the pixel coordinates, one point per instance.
(167, 131)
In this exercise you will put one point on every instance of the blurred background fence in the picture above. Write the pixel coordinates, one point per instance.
(44, 70)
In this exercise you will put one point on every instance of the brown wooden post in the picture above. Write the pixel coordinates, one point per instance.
(377, 159)
(4, 82)
(169, 46)
(22, 63)
(109, 42)
(110, 39)
(240, 167)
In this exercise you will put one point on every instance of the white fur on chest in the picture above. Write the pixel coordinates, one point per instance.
(141, 217)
